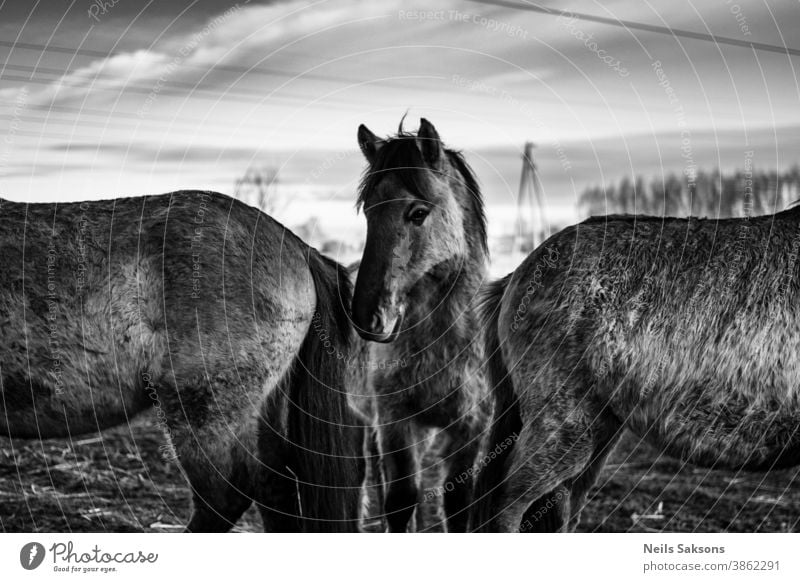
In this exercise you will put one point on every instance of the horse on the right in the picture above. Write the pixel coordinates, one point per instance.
(685, 331)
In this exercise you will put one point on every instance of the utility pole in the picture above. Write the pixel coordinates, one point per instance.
(529, 205)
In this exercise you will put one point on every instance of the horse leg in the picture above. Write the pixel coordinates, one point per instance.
(607, 439)
(219, 473)
(276, 497)
(527, 483)
(276, 494)
(561, 509)
(216, 505)
(212, 421)
(549, 513)
(375, 478)
(459, 456)
(554, 446)
(401, 474)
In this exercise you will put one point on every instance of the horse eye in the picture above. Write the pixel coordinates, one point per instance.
(418, 215)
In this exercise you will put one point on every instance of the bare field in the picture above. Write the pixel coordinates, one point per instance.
(117, 482)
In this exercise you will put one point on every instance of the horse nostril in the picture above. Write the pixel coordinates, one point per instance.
(377, 325)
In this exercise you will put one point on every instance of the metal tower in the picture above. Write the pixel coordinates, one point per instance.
(530, 206)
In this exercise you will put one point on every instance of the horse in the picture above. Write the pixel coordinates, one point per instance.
(683, 331)
(424, 260)
(206, 309)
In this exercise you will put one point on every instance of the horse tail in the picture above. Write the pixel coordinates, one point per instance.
(506, 420)
(324, 434)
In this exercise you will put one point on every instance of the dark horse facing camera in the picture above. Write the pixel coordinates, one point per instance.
(415, 225)
(424, 262)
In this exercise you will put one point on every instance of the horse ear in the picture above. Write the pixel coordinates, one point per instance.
(369, 143)
(430, 144)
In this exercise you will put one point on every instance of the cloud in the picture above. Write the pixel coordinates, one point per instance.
(240, 35)
(360, 62)
(114, 72)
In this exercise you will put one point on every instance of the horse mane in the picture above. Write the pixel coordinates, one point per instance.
(400, 156)
(475, 196)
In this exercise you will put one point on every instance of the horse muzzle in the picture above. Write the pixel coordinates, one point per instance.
(380, 328)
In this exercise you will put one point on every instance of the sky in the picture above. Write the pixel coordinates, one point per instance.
(103, 99)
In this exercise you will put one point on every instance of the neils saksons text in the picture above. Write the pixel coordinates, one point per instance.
(682, 549)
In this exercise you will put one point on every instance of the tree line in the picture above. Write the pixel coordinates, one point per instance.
(709, 194)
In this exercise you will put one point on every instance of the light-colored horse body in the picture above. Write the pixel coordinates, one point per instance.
(684, 331)
(191, 302)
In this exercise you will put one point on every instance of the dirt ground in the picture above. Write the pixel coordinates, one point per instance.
(117, 482)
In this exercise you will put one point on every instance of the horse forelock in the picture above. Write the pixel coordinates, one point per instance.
(400, 158)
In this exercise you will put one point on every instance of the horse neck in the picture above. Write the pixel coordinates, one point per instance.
(444, 303)
(446, 298)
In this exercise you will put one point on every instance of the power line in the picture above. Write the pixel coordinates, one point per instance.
(112, 114)
(148, 124)
(245, 93)
(92, 78)
(195, 92)
(54, 49)
(759, 46)
(240, 70)
(187, 129)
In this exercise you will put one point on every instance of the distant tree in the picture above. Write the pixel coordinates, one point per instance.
(710, 194)
(643, 195)
(626, 195)
(259, 187)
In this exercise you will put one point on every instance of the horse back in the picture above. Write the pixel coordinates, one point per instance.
(237, 288)
(104, 302)
(685, 328)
